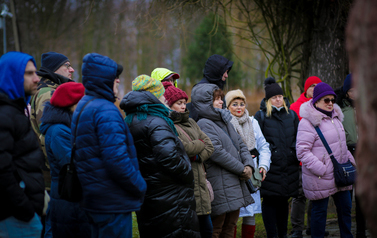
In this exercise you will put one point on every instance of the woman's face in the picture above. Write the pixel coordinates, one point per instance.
(218, 103)
(237, 107)
(326, 103)
(277, 101)
(179, 106)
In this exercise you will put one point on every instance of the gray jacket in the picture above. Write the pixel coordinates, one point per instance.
(229, 158)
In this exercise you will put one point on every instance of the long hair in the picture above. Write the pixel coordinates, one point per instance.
(269, 107)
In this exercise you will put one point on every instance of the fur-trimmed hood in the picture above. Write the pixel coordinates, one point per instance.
(315, 117)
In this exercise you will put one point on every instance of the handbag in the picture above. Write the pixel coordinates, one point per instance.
(344, 174)
(256, 178)
(69, 187)
(209, 186)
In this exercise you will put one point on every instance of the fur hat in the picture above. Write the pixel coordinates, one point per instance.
(347, 85)
(231, 95)
(53, 61)
(321, 90)
(272, 88)
(145, 83)
(67, 94)
(310, 81)
(173, 94)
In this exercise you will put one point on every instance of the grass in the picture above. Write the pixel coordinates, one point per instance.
(259, 226)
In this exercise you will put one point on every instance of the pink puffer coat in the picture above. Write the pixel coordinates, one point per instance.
(317, 168)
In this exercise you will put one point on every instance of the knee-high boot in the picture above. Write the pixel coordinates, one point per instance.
(248, 231)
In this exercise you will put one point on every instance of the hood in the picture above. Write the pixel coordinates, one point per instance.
(12, 66)
(215, 68)
(161, 73)
(98, 75)
(135, 99)
(202, 101)
(263, 104)
(55, 115)
(308, 111)
(48, 74)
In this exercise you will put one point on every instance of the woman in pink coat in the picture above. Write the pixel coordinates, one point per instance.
(317, 169)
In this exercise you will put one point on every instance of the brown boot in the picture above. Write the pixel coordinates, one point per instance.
(248, 231)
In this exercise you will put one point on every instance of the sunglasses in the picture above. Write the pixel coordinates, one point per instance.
(327, 100)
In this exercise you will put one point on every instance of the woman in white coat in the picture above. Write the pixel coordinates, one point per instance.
(248, 128)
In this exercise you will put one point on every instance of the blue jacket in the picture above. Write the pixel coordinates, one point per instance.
(105, 155)
(21, 159)
(67, 218)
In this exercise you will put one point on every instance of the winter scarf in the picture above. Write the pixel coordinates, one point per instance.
(158, 110)
(225, 115)
(244, 128)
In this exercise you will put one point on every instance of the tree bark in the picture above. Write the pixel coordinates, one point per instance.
(328, 57)
(362, 49)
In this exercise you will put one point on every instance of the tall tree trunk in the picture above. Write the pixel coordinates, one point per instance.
(328, 57)
(362, 48)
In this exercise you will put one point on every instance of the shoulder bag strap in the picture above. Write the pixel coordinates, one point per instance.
(180, 128)
(75, 133)
(325, 144)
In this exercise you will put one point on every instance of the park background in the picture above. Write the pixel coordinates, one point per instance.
(286, 39)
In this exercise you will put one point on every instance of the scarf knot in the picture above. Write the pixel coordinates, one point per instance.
(244, 127)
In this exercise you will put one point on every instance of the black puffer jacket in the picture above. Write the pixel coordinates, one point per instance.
(280, 132)
(21, 159)
(169, 205)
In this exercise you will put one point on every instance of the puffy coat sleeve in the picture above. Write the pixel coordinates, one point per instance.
(220, 156)
(61, 145)
(208, 148)
(306, 137)
(111, 133)
(165, 150)
(193, 146)
(9, 186)
(262, 146)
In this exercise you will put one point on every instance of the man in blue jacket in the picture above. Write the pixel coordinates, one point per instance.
(105, 154)
(21, 159)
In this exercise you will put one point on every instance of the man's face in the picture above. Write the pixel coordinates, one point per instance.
(116, 86)
(65, 70)
(31, 79)
(225, 76)
(309, 92)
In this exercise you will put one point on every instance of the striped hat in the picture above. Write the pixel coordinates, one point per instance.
(145, 83)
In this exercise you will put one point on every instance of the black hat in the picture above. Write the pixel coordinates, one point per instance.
(119, 70)
(272, 88)
(53, 60)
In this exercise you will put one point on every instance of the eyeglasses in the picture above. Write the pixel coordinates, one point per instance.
(170, 79)
(236, 104)
(68, 65)
(327, 100)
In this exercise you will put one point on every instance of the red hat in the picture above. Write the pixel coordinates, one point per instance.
(67, 94)
(173, 94)
(310, 81)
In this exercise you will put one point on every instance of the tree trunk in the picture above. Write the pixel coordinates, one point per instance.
(362, 48)
(328, 57)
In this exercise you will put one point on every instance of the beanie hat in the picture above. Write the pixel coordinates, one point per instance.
(347, 83)
(321, 90)
(67, 94)
(145, 83)
(119, 70)
(173, 94)
(272, 88)
(53, 60)
(310, 81)
(231, 95)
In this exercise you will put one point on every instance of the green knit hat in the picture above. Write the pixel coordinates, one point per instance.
(145, 83)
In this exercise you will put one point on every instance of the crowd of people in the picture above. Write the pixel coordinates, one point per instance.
(184, 168)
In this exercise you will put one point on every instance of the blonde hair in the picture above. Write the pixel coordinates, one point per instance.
(269, 107)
